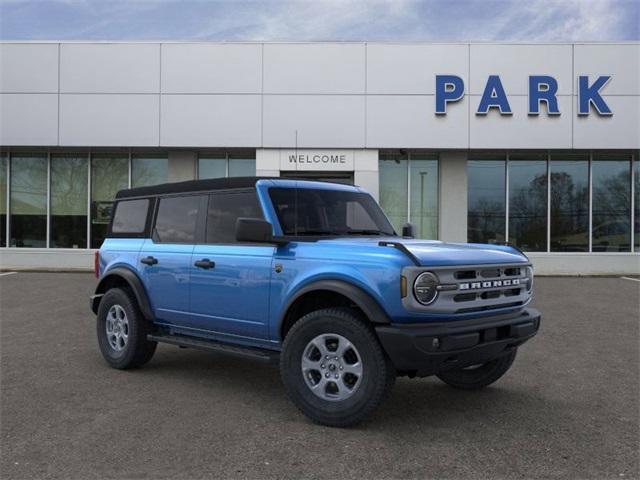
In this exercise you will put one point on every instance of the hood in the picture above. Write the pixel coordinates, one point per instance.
(436, 253)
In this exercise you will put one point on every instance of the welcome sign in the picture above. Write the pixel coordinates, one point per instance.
(317, 160)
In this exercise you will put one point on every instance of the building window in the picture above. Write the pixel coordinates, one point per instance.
(569, 211)
(528, 201)
(423, 172)
(549, 195)
(149, 170)
(394, 198)
(4, 165)
(409, 191)
(486, 199)
(28, 204)
(611, 214)
(109, 173)
(227, 164)
(68, 207)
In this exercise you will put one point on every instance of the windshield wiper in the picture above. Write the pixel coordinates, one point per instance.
(365, 232)
(341, 232)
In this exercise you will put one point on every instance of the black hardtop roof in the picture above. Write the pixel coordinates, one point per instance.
(192, 186)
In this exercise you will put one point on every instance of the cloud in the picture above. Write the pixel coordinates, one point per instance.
(330, 20)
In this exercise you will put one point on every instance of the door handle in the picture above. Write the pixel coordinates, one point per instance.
(205, 263)
(149, 260)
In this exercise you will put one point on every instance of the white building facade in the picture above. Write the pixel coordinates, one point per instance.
(532, 144)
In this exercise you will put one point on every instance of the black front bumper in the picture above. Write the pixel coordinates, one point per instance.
(427, 349)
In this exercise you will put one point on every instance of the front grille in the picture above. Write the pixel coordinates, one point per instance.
(465, 289)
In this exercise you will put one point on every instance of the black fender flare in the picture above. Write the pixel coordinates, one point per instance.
(133, 281)
(363, 300)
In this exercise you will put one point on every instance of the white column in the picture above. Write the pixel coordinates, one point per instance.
(267, 162)
(365, 172)
(452, 202)
(182, 165)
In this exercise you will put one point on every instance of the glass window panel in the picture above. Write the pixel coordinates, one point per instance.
(109, 173)
(130, 216)
(224, 211)
(393, 187)
(636, 201)
(3, 199)
(68, 208)
(528, 202)
(424, 195)
(569, 203)
(486, 201)
(242, 164)
(28, 207)
(176, 219)
(611, 230)
(212, 166)
(149, 170)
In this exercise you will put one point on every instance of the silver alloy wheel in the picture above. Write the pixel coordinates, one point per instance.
(117, 327)
(332, 367)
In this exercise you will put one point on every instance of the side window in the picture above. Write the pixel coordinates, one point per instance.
(130, 216)
(224, 210)
(176, 219)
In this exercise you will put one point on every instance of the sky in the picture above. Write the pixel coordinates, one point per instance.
(321, 20)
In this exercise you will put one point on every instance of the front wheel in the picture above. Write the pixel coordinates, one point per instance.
(479, 376)
(334, 368)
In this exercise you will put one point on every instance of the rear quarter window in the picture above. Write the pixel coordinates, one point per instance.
(130, 216)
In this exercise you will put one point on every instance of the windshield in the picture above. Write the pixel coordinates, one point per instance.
(304, 211)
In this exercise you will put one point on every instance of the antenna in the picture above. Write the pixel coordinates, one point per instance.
(295, 201)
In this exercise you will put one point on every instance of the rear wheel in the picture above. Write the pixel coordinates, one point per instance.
(334, 368)
(479, 376)
(122, 331)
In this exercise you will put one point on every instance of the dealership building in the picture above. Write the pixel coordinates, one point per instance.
(532, 144)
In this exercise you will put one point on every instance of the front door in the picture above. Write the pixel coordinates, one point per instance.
(230, 281)
(165, 259)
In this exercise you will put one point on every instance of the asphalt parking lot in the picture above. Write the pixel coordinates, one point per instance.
(569, 407)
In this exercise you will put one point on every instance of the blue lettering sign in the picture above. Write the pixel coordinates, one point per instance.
(494, 97)
(543, 88)
(590, 95)
(449, 88)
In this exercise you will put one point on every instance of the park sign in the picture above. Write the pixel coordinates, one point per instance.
(542, 89)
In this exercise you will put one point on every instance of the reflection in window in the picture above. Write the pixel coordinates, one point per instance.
(224, 211)
(3, 199)
(393, 187)
(569, 203)
(176, 219)
(242, 164)
(28, 221)
(212, 166)
(486, 201)
(611, 181)
(69, 201)
(528, 202)
(424, 195)
(149, 170)
(109, 173)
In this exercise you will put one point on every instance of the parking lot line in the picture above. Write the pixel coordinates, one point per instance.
(632, 279)
(7, 273)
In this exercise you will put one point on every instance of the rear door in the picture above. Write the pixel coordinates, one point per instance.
(165, 258)
(229, 280)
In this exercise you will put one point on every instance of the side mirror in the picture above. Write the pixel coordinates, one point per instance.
(408, 230)
(254, 230)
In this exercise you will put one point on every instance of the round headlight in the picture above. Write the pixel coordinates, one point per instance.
(425, 288)
(529, 279)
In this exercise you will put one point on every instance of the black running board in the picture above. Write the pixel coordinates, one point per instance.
(258, 354)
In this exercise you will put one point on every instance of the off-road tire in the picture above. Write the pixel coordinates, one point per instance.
(378, 375)
(138, 349)
(479, 377)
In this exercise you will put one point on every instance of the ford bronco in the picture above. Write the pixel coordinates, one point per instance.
(310, 274)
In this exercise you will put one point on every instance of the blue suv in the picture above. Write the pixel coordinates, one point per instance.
(310, 274)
